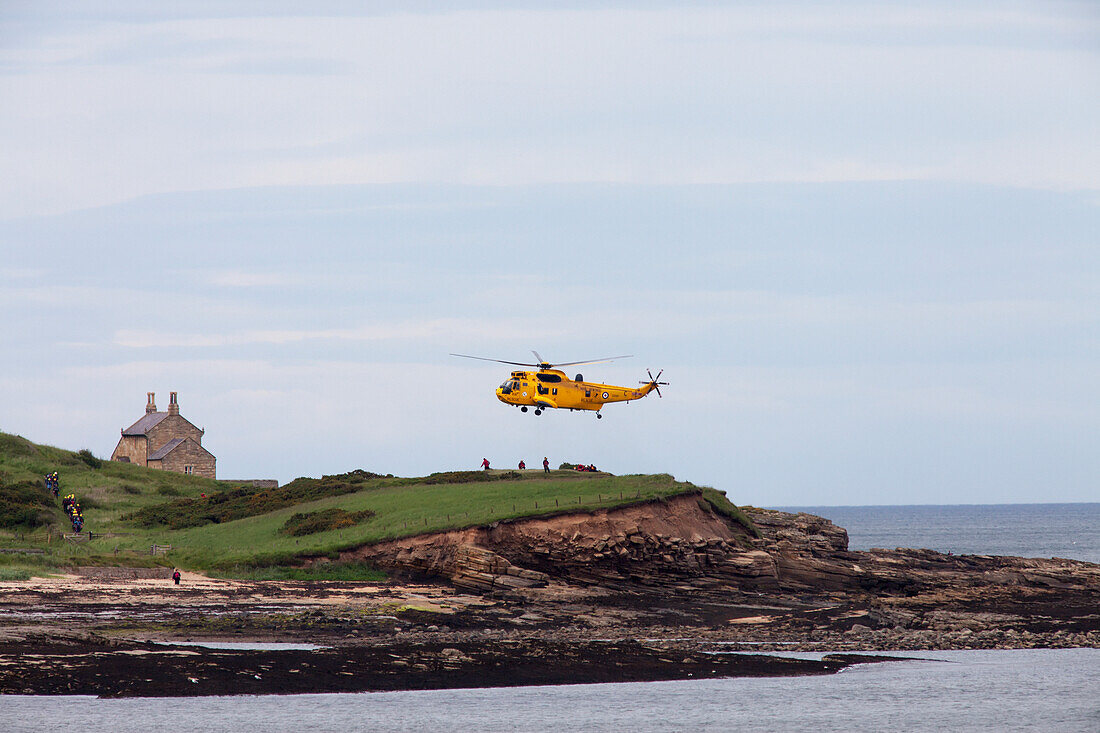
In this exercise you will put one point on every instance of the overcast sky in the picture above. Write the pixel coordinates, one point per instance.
(862, 239)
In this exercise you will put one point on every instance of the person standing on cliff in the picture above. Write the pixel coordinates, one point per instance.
(485, 463)
(176, 576)
(545, 465)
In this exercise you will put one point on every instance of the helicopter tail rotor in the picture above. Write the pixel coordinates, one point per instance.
(654, 381)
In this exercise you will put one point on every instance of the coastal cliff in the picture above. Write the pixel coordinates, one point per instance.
(681, 557)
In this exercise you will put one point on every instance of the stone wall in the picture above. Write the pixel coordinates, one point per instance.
(188, 453)
(170, 428)
(132, 447)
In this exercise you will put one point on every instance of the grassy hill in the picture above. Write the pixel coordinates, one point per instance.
(229, 529)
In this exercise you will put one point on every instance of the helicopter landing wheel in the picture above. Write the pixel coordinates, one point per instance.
(523, 409)
(538, 412)
(599, 416)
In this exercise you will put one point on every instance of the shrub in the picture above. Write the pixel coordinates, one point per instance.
(14, 574)
(246, 501)
(25, 504)
(163, 491)
(567, 467)
(241, 502)
(86, 455)
(464, 477)
(324, 520)
(457, 477)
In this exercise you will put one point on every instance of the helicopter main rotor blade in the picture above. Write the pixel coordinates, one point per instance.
(542, 364)
(499, 361)
(593, 361)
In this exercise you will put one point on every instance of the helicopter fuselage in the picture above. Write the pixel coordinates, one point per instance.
(552, 388)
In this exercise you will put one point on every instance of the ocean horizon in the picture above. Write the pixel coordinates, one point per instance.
(1058, 529)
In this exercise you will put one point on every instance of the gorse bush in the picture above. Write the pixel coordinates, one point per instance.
(86, 455)
(25, 504)
(241, 502)
(466, 477)
(322, 521)
(244, 502)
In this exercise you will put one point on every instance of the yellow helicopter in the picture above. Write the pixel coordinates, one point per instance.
(551, 388)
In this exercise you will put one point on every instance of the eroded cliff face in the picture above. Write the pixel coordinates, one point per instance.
(679, 542)
(682, 544)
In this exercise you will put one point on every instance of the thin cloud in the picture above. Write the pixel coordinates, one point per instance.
(453, 329)
(247, 279)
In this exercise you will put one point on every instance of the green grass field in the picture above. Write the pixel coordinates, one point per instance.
(255, 546)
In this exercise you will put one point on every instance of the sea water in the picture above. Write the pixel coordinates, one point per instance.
(1022, 530)
(995, 690)
(1013, 690)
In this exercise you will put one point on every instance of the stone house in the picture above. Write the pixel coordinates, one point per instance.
(165, 440)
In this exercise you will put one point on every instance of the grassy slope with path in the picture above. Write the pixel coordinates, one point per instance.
(402, 506)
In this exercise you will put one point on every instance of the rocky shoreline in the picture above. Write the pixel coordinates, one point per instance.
(665, 590)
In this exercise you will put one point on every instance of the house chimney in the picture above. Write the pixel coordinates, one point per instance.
(151, 405)
(173, 406)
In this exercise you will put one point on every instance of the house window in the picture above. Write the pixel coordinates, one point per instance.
(188, 469)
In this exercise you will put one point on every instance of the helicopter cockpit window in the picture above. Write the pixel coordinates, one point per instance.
(506, 387)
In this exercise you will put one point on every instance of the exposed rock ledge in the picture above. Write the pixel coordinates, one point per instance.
(683, 544)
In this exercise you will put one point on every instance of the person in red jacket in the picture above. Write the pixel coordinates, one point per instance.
(485, 463)
(176, 577)
(545, 465)
(522, 466)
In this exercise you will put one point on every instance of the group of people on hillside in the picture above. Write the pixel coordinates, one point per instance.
(53, 484)
(522, 464)
(590, 467)
(69, 503)
(72, 508)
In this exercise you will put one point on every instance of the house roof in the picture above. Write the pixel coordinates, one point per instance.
(171, 445)
(145, 424)
(165, 449)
